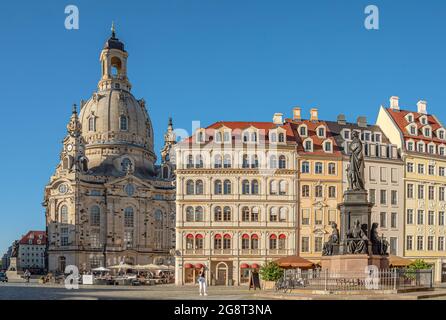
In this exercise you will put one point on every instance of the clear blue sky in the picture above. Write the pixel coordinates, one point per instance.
(203, 60)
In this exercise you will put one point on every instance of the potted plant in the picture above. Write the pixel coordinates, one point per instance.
(270, 272)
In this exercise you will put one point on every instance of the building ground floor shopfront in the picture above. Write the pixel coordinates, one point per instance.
(223, 271)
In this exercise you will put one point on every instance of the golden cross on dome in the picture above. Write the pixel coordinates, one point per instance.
(113, 30)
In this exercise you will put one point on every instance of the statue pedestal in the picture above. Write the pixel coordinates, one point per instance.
(11, 273)
(353, 263)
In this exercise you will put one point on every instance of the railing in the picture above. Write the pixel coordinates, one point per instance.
(392, 279)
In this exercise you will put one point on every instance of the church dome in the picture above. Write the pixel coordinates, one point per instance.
(116, 127)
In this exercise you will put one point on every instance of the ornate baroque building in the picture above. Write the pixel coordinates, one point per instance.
(236, 199)
(107, 201)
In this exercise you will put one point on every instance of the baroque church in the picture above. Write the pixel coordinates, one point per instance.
(108, 202)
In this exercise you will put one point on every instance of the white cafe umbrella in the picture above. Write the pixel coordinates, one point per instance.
(121, 266)
(100, 269)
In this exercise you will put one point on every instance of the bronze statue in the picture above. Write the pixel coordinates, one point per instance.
(379, 244)
(355, 171)
(332, 241)
(357, 239)
(15, 249)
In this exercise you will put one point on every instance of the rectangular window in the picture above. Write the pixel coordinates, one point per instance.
(430, 243)
(409, 243)
(372, 175)
(410, 191)
(305, 244)
(410, 167)
(331, 216)
(393, 245)
(431, 193)
(441, 193)
(420, 191)
(441, 218)
(440, 243)
(318, 217)
(394, 175)
(441, 171)
(409, 218)
(383, 174)
(383, 198)
(394, 197)
(382, 219)
(305, 216)
(420, 244)
(372, 196)
(393, 220)
(430, 217)
(420, 217)
(431, 170)
(421, 168)
(318, 244)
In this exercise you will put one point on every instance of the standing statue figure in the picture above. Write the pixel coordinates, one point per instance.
(379, 244)
(356, 167)
(357, 239)
(332, 241)
(15, 249)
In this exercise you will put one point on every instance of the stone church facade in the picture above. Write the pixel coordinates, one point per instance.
(108, 202)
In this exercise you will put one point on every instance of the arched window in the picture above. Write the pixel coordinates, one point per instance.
(95, 216)
(227, 214)
(245, 241)
(123, 123)
(282, 162)
(190, 242)
(227, 188)
(199, 241)
(273, 162)
(255, 214)
(199, 187)
(190, 161)
(273, 214)
(254, 137)
(245, 187)
(273, 187)
(245, 162)
(217, 161)
(189, 214)
(218, 187)
(92, 123)
(199, 161)
(218, 242)
(227, 161)
(245, 136)
(254, 187)
(283, 214)
(273, 242)
(218, 214)
(226, 242)
(254, 242)
(254, 161)
(126, 164)
(128, 217)
(282, 242)
(245, 214)
(305, 167)
(199, 214)
(158, 216)
(273, 137)
(189, 187)
(218, 137)
(281, 137)
(282, 187)
(64, 214)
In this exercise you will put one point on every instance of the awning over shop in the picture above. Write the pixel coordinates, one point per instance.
(395, 261)
(244, 266)
(294, 262)
(188, 266)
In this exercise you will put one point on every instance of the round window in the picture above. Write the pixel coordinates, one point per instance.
(63, 188)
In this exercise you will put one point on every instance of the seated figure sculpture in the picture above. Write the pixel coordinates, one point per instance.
(357, 240)
(333, 240)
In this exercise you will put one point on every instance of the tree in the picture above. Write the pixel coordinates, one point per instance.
(419, 264)
(271, 271)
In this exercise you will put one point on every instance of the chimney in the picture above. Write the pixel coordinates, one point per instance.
(362, 122)
(422, 107)
(341, 119)
(394, 103)
(278, 119)
(297, 114)
(313, 114)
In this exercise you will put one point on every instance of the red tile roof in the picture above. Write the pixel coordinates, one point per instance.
(35, 236)
(399, 117)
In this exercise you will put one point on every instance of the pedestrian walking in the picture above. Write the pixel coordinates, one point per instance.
(202, 282)
(27, 275)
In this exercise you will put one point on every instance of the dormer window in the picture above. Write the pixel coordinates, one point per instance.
(431, 148)
(303, 131)
(366, 136)
(218, 136)
(328, 146)
(423, 120)
(427, 132)
(347, 134)
(123, 123)
(226, 136)
(413, 130)
(409, 117)
(378, 137)
(273, 137)
(410, 146)
(254, 137)
(281, 137)
(321, 132)
(245, 136)
(308, 145)
(420, 147)
(441, 150)
(441, 134)
(200, 136)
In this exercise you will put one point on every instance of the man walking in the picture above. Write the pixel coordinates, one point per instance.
(202, 282)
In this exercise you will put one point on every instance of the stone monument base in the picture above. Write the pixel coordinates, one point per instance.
(11, 273)
(353, 263)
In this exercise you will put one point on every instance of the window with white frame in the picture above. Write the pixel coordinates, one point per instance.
(308, 145)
